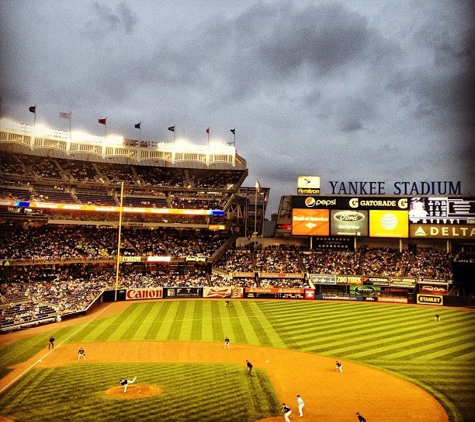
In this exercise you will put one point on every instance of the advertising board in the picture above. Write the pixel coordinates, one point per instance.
(310, 222)
(348, 223)
(388, 223)
(442, 231)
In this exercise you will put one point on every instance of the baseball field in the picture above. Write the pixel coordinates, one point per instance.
(399, 364)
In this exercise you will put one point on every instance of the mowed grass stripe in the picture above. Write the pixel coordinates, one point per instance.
(196, 332)
(178, 321)
(213, 331)
(158, 316)
(101, 330)
(271, 337)
(145, 316)
(395, 346)
(255, 332)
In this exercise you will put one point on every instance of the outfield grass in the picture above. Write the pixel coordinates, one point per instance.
(405, 340)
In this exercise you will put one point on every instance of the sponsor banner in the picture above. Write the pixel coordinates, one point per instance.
(274, 290)
(335, 296)
(131, 258)
(183, 292)
(150, 293)
(159, 258)
(349, 279)
(366, 290)
(394, 299)
(308, 191)
(281, 275)
(442, 231)
(433, 289)
(349, 223)
(388, 224)
(377, 281)
(309, 294)
(217, 292)
(195, 259)
(395, 289)
(242, 274)
(430, 299)
(237, 292)
(402, 282)
(322, 279)
(310, 222)
(351, 203)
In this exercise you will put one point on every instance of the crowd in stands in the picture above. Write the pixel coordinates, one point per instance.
(69, 288)
(66, 181)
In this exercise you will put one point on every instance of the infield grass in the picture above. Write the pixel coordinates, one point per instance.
(405, 340)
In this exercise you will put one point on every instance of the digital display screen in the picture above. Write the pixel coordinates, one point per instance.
(388, 223)
(425, 208)
(349, 223)
(310, 222)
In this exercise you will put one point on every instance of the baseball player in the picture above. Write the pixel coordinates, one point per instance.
(360, 417)
(286, 411)
(301, 404)
(338, 367)
(249, 368)
(125, 382)
(51, 343)
(81, 354)
(226, 343)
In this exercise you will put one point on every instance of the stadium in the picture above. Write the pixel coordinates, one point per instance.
(148, 254)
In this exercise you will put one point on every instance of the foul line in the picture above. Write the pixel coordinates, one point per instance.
(52, 350)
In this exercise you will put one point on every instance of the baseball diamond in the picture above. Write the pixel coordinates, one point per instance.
(405, 373)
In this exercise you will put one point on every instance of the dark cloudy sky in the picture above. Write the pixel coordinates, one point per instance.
(350, 90)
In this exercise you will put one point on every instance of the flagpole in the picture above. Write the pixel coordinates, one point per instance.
(70, 117)
(34, 118)
(207, 131)
(255, 213)
(263, 213)
(105, 128)
(117, 270)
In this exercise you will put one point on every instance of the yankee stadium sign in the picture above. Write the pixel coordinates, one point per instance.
(398, 188)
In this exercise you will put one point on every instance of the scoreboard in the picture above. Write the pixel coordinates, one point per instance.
(442, 210)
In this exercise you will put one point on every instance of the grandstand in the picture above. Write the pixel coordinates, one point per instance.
(91, 219)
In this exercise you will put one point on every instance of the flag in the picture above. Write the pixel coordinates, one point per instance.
(101, 121)
(65, 115)
(172, 128)
(258, 186)
(207, 130)
(137, 126)
(233, 131)
(32, 109)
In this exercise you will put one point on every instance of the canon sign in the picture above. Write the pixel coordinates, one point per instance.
(135, 294)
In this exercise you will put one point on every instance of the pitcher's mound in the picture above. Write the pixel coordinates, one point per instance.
(136, 391)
